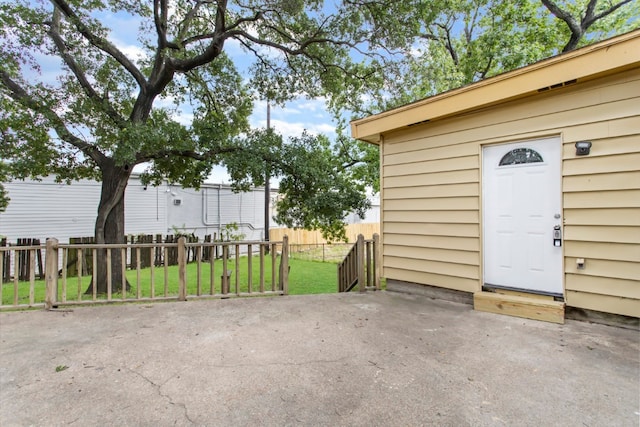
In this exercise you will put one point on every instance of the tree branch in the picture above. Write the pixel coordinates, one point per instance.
(213, 49)
(99, 42)
(300, 50)
(587, 22)
(54, 33)
(20, 95)
(484, 72)
(576, 28)
(205, 156)
(181, 41)
(186, 21)
(562, 14)
(448, 44)
(160, 22)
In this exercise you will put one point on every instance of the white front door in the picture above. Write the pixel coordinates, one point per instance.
(521, 196)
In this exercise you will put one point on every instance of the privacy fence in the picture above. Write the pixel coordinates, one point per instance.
(302, 237)
(166, 270)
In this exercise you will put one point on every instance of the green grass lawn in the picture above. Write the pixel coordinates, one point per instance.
(305, 277)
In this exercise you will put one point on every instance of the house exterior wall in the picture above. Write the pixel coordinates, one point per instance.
(431, 191)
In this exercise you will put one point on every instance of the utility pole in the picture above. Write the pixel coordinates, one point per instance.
(267, 186)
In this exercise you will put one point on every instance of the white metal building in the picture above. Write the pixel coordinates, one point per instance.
(41, 209)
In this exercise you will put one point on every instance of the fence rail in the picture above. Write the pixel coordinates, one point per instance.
(360, 266)
(197, 274)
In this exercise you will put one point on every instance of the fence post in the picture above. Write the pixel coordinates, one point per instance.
(376, 261)
(360, 263)
(225, 271)
(284, 265)
(182, 269)
(51, 273)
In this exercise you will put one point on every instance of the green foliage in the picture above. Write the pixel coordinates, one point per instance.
(318, 192)
(461, 41)
(181, 231)
(4, 197)
(319, 189)
(229, 233)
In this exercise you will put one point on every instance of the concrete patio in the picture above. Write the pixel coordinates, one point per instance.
(375, 359)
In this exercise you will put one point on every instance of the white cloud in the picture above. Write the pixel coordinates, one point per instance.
(291, 110)
(288, 128)
(313, 105)
(416, 51)
(133, 52)
(182, 117)
(295, 117)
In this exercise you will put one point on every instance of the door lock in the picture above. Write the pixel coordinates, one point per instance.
(557, 236)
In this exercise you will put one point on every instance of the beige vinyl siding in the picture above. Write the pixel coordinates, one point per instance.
(604, 302)
(613, 251)
(431, 191)
(441, 217)
(602, 224)
(427, 194)
(593, 285)
(587, 233)
(440, 280)
(419, 180)
(444, 165)
(471, 244)
(602, 217)
(609, 181)
(428, 191)
(602, 199)
(435, 204)
(430, 229)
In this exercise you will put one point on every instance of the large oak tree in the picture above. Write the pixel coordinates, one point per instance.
(77, 101)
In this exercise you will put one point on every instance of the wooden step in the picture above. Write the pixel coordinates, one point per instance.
(521, 305)
(522, 294)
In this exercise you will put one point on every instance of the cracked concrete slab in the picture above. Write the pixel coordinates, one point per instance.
(349, 359)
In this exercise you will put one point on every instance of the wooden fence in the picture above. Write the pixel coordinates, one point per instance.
(155, 257)
(361, 266)
(228, 276)
(22, 267)
(299, 236)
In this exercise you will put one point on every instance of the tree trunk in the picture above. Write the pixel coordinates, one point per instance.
(109, 228)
